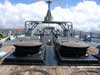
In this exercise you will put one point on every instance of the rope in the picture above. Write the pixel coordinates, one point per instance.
(30, 72)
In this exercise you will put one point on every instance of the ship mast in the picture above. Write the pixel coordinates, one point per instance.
(48, 16)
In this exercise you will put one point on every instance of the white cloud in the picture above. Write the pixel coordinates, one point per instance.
(85, 15)
(14, 16)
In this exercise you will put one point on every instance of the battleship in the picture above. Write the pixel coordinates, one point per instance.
(49, 46)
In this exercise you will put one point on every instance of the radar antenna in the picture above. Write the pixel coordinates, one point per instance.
(48, 16)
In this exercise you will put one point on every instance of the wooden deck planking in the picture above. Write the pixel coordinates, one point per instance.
(8, 48)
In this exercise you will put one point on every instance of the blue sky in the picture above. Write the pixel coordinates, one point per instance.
(61, 3)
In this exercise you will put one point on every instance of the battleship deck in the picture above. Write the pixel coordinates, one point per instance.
(50, 59)
(51, 70)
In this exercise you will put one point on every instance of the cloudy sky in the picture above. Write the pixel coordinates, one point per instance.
(85, 14)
